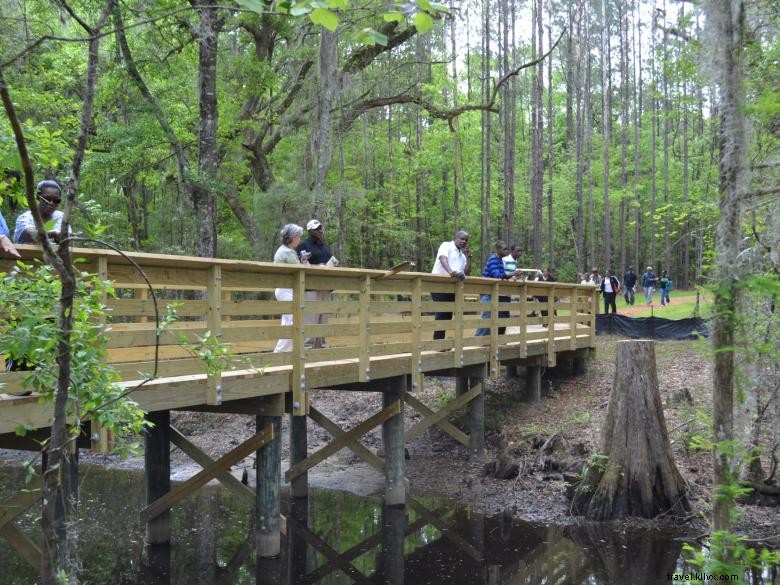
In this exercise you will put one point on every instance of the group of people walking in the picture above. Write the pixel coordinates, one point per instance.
(610, 286)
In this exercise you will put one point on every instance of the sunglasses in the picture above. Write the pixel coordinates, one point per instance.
(49, 200)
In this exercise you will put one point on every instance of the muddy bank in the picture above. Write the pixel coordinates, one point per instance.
(539, 446)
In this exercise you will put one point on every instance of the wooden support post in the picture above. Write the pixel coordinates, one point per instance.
(269, 476)
(299, 486)
(579, 366)
(157, 474)
(214, 297)
(533, 382)
(551, 358)
(417, 375)
(300, 404)
(511, 372)
(297, 549)
(458, 316)
(393, 534)
(472, 385)
(364, 325)
(393, 439)
(494, 331)
(477, 420)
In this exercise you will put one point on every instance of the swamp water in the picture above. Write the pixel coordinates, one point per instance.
(336, 537)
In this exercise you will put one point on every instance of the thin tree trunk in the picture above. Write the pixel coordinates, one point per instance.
(537, 143)
(726, 21)
(322, 141)
(550, 152)
(606, 118)
(667, 132)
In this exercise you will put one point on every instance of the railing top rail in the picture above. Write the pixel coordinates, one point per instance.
(144, 259)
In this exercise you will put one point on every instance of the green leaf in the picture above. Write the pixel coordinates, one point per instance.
(338, 4)
(300, 9)
(325, 18)
(422, 22)
(377, 37)
(393, 17)
(253, 5)
(425, 5)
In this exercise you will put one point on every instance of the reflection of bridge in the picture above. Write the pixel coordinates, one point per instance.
(378, 339)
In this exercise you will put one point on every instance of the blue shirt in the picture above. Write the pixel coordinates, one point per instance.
(3, 227)
(494, 268)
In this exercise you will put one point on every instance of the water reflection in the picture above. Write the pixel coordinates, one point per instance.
(333, 538)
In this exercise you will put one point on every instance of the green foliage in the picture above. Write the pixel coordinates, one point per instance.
(30, 334)
(728, 554)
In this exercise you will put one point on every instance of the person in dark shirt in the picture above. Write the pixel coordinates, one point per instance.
(319, 254)
(494, 268)
(629, 282)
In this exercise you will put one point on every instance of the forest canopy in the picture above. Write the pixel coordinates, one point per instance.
(215, 124)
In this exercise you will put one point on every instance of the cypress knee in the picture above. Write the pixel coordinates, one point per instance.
(635, 474)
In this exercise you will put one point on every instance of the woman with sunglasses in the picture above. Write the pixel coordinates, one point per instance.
(49, 197)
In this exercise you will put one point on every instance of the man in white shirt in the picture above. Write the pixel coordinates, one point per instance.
(454, 260)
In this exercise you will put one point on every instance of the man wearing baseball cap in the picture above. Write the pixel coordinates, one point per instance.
(319, 254)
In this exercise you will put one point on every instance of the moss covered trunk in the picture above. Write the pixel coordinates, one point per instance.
(635, 474)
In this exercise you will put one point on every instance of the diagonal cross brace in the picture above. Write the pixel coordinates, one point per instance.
(352, 445)
(438, 416)
(202, 459)
(219, 467)
(443, 424)
(327, 551)
(342, 441)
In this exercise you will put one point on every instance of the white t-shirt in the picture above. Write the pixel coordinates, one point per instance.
(455, 257)
(608, 285)
(510, 264)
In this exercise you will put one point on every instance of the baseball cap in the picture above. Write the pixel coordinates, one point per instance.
(313, 224)
(649, 267)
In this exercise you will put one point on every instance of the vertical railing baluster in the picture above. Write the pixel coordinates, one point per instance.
(494, 330)
(524, 320)
(300, 405)
(458, 315)
(573, 318)
(364, 367)
(551, 328)
(214, 296)
(417, 376)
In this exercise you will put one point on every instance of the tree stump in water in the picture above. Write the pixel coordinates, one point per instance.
(635, 474)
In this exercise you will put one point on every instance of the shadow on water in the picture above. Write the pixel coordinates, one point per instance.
(335, 537)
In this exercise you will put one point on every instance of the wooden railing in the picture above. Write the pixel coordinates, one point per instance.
(371, 314)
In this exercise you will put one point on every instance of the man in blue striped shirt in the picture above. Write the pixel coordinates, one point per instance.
(494, 268)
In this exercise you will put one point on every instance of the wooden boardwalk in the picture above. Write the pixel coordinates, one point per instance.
(377, 327)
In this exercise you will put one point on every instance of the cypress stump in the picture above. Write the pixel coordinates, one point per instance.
(635, 474)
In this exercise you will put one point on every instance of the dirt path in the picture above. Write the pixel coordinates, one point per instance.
(640, 306)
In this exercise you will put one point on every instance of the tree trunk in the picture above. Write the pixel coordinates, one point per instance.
(726, 19)
(537, 130)
(636, 475)
(329, 87)
(203, 191)
(606, 119)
